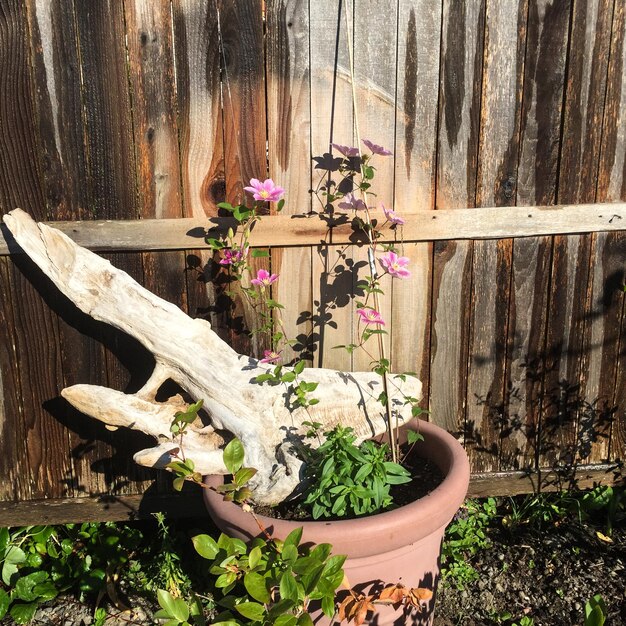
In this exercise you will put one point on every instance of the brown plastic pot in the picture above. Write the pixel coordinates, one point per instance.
(399, 546)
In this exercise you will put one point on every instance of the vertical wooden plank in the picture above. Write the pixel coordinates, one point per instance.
(60, 112)
(375, 81)
(332, 121)
(544, 76)
(33, 332)
(245, 156)
(113, 194)
(65, 174)
(608, 363)
(568, 334)
(505, 39)
(153, 89)
(289, 150)
(201, 141)
(459, 119)
(417, 85)
(13, 460)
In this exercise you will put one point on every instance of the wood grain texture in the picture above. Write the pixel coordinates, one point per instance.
(201, 141)
(544, 77)
(155, 130)
(417, 87)
(375, 116)
(332, 121)
(289, 151)
(458, 123)
(113, 193)
(569, 330)
(244, 110)
(60, 113)
(503, 73)
(60, 118)
(608, 333)
(33, 328)
(307, 230)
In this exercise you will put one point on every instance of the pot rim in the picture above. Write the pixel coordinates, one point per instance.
(363, 536)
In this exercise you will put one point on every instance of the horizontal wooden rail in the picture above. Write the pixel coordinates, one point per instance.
(314, 229)
(128, 507)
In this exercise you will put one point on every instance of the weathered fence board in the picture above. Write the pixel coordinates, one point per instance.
(114, 114)
(459, 114)
(544, 76)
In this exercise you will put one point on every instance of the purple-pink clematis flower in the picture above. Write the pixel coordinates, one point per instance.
(269, 356)
(266, 191)
(395, 265)
(264, 278)
(370, 316)
(376, 149)
(392, 216)
(232, 257)
(350, 201)
(347, 151)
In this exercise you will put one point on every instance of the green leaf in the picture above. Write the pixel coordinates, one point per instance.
(280, 608)
(4, 540)
(23, 613)
(334, 565)
(413, 437)
(226, 205)
(305, 620)
(288, 587)
(255, 556)
(251, 610)
(294, 537)
(178, 483)
(290, 553)
(175, 607)
(328, 605)
(321, 551)
(286, 620)
(256, 586)
(234, 455)
(258, 253)
(298, 368)
(205, 546)
(5, 601)
(24, 585)
(288, 377)
(46, 591)
(243, 475)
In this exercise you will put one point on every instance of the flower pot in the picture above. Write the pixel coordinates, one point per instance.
(399, 546)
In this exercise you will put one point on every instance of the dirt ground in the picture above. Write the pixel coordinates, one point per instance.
(545, 575)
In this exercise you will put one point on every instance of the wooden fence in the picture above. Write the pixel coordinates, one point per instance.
(141, 109)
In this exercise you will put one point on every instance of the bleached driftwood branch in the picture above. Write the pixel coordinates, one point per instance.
(188, 352)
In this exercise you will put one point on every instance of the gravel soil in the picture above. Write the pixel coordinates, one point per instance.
(546, 575)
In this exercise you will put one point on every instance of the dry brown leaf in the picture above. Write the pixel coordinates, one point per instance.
(392, 594)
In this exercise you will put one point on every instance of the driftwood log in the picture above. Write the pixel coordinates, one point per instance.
(188, 352)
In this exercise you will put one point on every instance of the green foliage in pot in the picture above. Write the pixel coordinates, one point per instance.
(347, 480)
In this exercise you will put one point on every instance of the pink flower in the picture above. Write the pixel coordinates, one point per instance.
(376, 149)
(395, 265)
(232, 257)
(269, 356)
(265, 191)
(264, 278)
(350, 201)
(392, 216)
(370, 316)
(347, 151)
